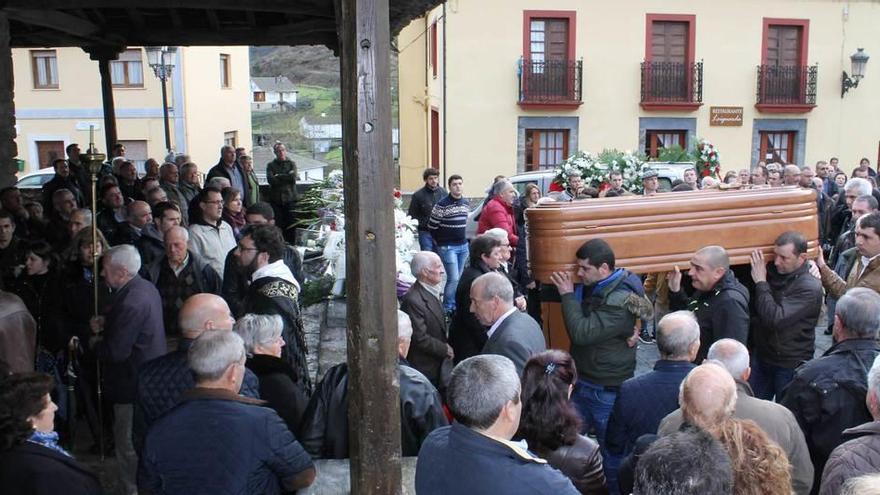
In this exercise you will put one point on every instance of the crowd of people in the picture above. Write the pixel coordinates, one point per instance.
(176, 328)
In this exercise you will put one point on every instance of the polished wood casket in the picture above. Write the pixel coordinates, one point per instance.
(657, 233)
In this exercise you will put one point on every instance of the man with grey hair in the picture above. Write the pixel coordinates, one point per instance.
(828, 393)
(777, 421)
(218, 440)
(161, 381)
(324, 427)
(188, 181)
(138, 215)
(860, 454)
(512, 334)
(129, 334)
(720, 302)
(229, 168)
(422, 303)
(79, 219)
(475, 454)
(678, 340)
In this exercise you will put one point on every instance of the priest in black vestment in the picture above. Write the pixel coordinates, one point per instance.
(274, 291)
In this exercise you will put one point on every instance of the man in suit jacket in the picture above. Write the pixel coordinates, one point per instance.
(512, 334)
(428, 348)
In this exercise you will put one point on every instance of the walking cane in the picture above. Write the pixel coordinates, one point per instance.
(94, 160)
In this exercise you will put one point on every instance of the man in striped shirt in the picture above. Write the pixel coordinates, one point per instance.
(447, 226)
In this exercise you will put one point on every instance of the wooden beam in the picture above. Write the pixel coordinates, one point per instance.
(294, 6)
(251, 18)
(373, 388)
(53, 19)
(136, 18)
(8, 148)
(104, 55)
(175, 18)
(213, 20)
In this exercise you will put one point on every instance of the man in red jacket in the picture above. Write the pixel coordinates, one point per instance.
(498, 211)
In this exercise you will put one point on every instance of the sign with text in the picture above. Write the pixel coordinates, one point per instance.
(726, 116)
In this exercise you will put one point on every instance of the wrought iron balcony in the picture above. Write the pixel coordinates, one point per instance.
(550, 82)
(787, 88)
(672, 85)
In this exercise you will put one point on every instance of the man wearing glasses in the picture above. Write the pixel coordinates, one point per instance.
(210, 238)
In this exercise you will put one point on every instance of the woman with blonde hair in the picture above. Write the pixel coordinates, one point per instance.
(760, 466)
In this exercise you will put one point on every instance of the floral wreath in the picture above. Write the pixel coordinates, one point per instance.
(707, 159)
(595, 170)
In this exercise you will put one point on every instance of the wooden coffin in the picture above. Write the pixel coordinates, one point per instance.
(656, 233)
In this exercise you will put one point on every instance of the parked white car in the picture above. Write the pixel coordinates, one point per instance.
(35, 180)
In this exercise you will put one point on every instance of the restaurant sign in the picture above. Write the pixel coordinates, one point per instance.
(726, 116)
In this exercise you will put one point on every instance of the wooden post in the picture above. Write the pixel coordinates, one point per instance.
(8, 148)
(373, 388)
(104, 55)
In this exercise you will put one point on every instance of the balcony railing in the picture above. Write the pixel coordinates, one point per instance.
(550, 81)
(787, 85)
(672, 83)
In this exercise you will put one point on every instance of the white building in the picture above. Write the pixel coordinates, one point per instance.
(272, 94)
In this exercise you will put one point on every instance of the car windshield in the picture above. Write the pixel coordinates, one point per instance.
(33, 181)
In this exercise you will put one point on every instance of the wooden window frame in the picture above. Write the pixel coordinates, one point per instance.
(259, 96)
(234, 138)
(225, 71)
(432, 39)
(435, 131)
(804, 24)
(792, 142)
(34, 73)
(690, 56)
(653, 150)
(571, 16)
(536, 147)
(126, 73)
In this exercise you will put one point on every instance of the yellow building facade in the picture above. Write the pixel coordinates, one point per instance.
(58, 97)
(492, 87)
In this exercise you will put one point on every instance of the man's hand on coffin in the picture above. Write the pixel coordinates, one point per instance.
(521, 303)
(820, 260)
(759, 266)
(674, 280)
(814, 270)
(562, 281)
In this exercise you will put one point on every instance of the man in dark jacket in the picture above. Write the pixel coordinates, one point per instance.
(133, 333)
(113, 212)
(63, 180)
(281, 175)
(229, 168)
(324, 428)
(137, 216)
(720, 303)
(600, 317)
(678, 340)
(422, 303)
(151, 243)
(828, 394)
(785, 311)
(860, 454)
(422, 203)
(217, 441)
(475, 454)
(161, 381)
(179, 274)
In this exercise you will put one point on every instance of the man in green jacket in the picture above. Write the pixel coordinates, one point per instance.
(281, 175)
(600, 317)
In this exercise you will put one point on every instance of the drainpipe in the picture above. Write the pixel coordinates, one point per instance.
(443, 115)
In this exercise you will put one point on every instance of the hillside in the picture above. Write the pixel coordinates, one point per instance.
(304, 65)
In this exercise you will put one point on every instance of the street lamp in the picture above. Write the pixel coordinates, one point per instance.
(161, 59)
(859, 60)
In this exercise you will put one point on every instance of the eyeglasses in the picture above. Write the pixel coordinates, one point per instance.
(245, 248)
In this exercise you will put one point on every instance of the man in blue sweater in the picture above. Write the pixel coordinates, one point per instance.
(447, 226)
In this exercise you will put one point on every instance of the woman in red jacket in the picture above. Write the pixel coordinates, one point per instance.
(498, 212)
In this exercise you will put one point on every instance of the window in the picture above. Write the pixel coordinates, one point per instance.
(778, 146)
(545, 148)
(655, 141)
(45, 69)
(136, 151)
(224, 71)
(549, 72)
(435, 138)
(433, 41)
(128, 70)
(259, 96)
(230, 139)
(48, 152)
(784, 78)
(669, 74)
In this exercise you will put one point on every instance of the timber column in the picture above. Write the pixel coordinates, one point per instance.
(373, 385)
(8, 148)
(104, 54)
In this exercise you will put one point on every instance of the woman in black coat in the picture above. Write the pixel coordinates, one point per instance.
(39, 288)
(280, 386)
(550, 423)
(466, 334)
(31, 461)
